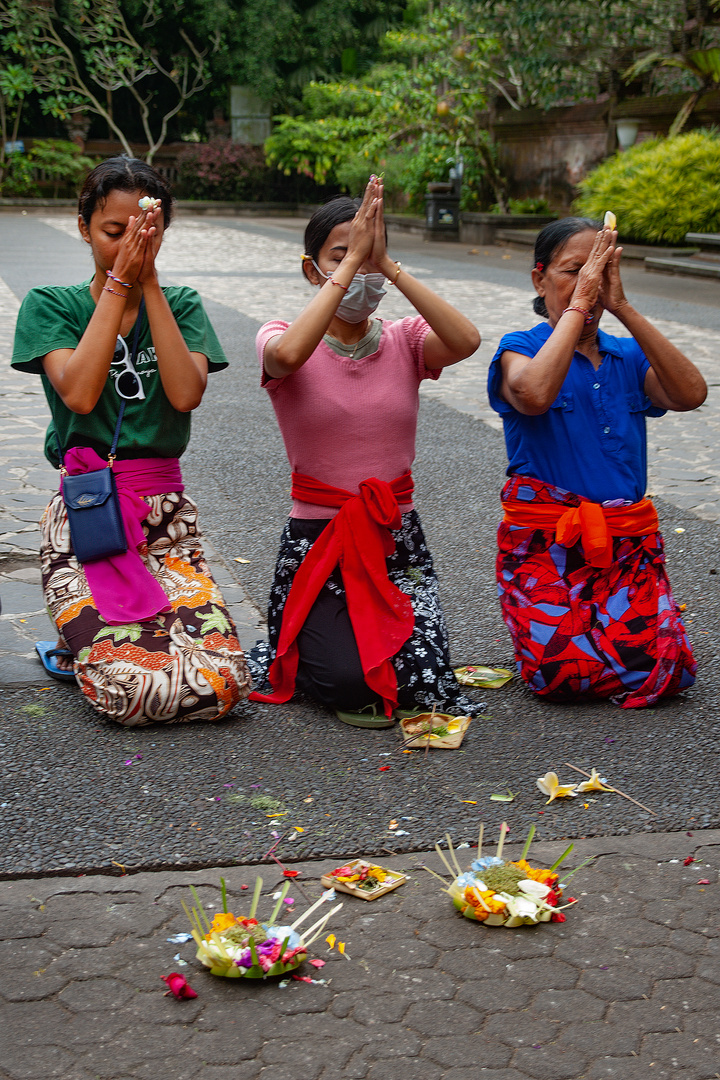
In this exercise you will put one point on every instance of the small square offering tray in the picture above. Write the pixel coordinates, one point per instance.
(360, 871)
(425, 730)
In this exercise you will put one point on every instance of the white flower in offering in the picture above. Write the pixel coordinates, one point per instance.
(550, 785)
(610, 221)
(148, 203)
(534, 889)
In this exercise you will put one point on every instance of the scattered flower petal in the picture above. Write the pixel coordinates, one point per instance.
(550, 785)
(317, 963)
(383, 768)
(688, 860)
(178, 986)
(595, 783)
(179, 939)
(704, 881)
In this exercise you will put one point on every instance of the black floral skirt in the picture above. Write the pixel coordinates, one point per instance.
(424, 675)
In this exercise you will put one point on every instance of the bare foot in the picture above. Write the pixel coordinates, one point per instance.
(64, 663)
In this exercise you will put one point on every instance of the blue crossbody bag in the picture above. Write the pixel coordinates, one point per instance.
(91, 499)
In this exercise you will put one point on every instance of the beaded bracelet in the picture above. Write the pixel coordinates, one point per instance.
(122, 295)
(587, 314)
(125, 284)
(339, 284)
(394, 280)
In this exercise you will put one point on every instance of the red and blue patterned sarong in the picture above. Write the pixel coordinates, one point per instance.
(584, 630)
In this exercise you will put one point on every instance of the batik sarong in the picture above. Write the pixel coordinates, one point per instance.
(184, 664)
(586, 631)
(424, 675)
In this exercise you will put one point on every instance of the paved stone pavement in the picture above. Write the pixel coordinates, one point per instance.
(626, 988)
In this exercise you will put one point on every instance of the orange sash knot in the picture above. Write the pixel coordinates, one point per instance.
(594, 525)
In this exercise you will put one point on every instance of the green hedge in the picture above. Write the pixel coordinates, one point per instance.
(660, 189)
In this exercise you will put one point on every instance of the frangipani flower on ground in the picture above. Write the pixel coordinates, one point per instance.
(550, 785)
(595, 783)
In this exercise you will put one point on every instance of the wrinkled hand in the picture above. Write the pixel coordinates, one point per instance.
(362, 231)
(587, 289)
(612, 294)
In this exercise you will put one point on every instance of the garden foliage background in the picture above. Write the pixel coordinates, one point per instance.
(406, 88)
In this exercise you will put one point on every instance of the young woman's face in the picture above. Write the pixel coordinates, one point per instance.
(557, 284)
(332, 254)
(108, 224)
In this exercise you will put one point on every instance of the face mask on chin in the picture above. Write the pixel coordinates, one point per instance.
(362, 297)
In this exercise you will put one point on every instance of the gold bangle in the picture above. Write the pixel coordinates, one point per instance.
(394, 280)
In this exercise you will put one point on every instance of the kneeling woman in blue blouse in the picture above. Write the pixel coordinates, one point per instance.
(580, 568)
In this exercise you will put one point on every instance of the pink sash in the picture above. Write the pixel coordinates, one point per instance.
(122, 587)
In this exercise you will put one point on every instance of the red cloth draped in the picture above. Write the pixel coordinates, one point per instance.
(358, 539)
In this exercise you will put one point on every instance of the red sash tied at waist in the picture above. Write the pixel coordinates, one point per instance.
(358, 539)
(593, 524)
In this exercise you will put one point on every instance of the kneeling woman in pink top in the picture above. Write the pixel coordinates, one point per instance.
(354, 615)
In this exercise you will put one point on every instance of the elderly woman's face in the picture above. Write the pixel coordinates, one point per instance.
(557, 284)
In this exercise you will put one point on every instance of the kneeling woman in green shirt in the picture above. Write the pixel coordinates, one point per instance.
(146, 634)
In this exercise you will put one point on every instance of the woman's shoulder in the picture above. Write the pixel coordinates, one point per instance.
(527, 342)
(59, 295)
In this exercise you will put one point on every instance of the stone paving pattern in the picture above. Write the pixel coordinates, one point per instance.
(627, 987)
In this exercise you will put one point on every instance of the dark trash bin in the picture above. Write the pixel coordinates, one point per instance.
(442, 212)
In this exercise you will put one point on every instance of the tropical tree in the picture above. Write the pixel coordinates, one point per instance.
(694, 51)
(81, 52)
(15, 84)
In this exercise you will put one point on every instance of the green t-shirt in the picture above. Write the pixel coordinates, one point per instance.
(56, 317)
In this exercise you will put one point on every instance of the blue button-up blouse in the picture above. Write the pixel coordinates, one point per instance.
(592, 439)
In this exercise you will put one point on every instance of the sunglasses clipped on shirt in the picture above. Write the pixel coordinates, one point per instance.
(127, 380)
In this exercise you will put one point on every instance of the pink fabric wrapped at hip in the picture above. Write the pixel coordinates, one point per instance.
(123, 588)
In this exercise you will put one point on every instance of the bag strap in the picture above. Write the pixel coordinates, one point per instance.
(123, 403)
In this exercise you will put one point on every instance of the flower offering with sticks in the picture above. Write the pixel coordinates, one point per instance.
(498, 892)
(237, 946)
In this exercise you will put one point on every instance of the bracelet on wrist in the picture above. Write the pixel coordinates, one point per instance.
(122, 295)
(393, 281)
(339, 284)
(125, 284)
(587, 315)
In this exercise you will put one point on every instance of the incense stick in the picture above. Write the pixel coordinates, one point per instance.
(616, 790)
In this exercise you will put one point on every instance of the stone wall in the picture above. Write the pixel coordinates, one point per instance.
(548, 153)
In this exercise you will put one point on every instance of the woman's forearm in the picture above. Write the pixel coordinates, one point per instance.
(680, 386)
(183, 374)
(531, 384)
(288, 352)
(457, 336)
(79, 376)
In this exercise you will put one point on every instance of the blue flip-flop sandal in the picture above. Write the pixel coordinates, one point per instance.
(47, 651)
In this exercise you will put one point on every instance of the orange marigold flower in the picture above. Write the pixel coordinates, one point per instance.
(222, 921)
